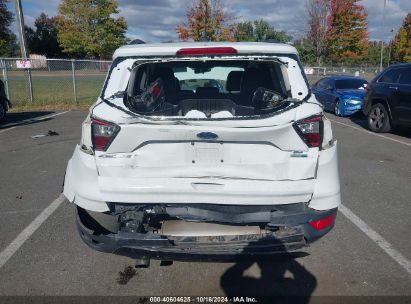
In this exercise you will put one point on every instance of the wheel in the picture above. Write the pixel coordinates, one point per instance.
(2, 112)
(378, 119)
(337, 108)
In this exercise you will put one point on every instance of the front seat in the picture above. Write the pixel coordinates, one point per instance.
(170, 83)
(234, 81)
(254, 78)
(233, 85)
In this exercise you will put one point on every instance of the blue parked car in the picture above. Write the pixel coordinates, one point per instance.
(343, 95)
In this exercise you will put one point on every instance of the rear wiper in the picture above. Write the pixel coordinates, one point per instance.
(116, 94)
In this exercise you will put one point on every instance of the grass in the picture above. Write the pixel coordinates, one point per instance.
(54, 91)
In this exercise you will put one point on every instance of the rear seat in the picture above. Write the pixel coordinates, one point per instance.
(208, 92)
(201, 93)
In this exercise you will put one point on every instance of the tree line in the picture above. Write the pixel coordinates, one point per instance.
(82, 29)
(337, 31)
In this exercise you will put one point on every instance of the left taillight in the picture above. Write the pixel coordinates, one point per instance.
(103, 133)
(310, 130)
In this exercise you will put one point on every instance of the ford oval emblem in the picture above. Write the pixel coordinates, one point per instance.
(207, 135)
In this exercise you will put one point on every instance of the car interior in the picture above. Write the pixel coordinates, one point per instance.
(204, 89)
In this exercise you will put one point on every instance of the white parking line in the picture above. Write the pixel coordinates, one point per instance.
(372, 133)
(8, 129)
(23, 122)
(11, 249)
(20, 211)
(15, 245)
(376, 238)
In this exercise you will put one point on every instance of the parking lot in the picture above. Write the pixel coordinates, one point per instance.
(367, 254)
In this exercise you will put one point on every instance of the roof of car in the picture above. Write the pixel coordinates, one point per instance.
(342, 77)
(170, 49)
(406, 64)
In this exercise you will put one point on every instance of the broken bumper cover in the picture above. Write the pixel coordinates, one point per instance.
(294, 233)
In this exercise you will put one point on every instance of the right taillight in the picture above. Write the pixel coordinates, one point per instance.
(324, 222)
(103, 133)
(310, 130)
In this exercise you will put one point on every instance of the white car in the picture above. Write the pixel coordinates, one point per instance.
(204, 151)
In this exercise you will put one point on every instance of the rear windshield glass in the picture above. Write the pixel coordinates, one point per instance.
(203, 89)
(350, 84)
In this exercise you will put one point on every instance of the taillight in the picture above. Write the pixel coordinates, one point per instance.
(323, 223)
(310, 130)
(206, 51)
(102, 134)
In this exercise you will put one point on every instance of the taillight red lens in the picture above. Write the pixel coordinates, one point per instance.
(324, 222)
(103, 134)
(206, 51)
(310, 130)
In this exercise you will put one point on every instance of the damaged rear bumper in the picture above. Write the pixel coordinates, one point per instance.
(288, 232)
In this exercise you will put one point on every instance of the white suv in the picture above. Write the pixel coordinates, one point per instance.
(204, 151)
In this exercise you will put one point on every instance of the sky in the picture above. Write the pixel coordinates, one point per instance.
(156, 20)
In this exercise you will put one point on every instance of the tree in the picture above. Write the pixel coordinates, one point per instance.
(374, 54)
(207, 21)
(244, 31)
(264, 31)
(7, 38)
(347, 31)
(259, 30)
(43, 39)
(306, 52)
(401, 46)
(88, 28)
(318, 11)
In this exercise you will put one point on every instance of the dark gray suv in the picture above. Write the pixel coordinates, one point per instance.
(387, 103)
(4, 102)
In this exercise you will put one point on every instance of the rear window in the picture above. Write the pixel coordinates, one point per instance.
(390, 76)
(325, 84)
(355, 84)
(203, 89)
(405, 77)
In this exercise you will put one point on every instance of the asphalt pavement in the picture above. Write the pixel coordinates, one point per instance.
(368, 252)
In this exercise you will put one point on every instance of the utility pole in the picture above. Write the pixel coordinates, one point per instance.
(383, 31)
(23, 43)
(391, 42)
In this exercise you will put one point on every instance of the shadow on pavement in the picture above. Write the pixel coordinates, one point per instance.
(281, 276)
(360, 120)
(24, 118)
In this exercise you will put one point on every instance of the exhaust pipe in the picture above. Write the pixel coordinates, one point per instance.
(143, 262)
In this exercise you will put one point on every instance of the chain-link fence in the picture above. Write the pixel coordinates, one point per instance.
(53, 81)
(63, 81)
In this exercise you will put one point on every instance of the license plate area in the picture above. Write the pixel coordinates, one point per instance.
(207, 153)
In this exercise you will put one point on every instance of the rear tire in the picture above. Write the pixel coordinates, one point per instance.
(2, 112)
(378, 119)
(337, 108)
